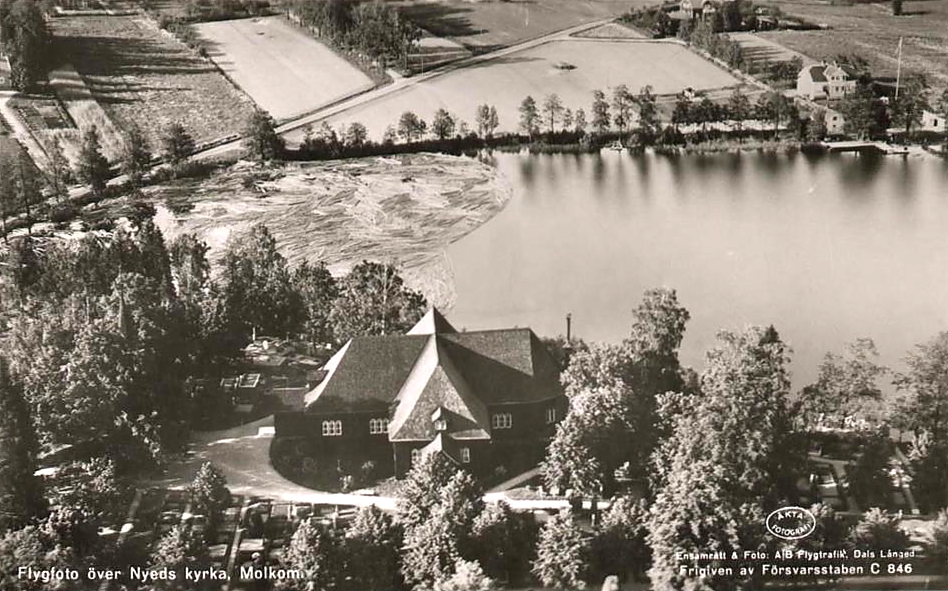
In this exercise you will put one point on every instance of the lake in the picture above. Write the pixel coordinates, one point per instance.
(827, 248)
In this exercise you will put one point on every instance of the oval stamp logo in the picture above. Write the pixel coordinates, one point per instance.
(791, 523)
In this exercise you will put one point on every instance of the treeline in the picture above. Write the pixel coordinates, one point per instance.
(107, 334)
(373, 28)
(26, 41)
(729, 16)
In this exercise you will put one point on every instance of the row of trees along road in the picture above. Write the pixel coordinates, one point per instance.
(106, 334)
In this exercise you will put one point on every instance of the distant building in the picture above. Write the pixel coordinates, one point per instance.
(483, 399)
(934, 122)
(825, 80)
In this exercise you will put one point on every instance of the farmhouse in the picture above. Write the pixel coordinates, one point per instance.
(484, 399)
(825, 80)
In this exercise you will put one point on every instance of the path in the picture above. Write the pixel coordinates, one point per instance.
(243, 455)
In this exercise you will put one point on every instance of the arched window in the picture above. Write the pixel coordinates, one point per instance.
(332, 428)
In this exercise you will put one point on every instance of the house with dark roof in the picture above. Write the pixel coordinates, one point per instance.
(826, 80)
(484, 399)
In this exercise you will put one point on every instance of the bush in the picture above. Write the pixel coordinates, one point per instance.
(63, 212)
(879, 531)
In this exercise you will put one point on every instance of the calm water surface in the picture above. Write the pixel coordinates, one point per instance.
(827, 249)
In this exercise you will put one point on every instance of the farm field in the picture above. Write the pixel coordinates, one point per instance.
(141, 75)
(759, 49)
(283, 69)
(871, 31)
(504, 82)
(482, 26)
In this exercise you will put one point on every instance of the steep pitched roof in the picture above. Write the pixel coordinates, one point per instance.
(435, 384)
(433, 322)
(816, 72)
(412, 374)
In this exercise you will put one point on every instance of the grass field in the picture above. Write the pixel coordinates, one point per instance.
(483, 25)
(141, 75)
(506, 81)
(284, 70)
(870, 30)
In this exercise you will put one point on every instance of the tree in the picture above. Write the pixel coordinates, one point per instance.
(210, 495)
(913, 101)
(179, 549)
(177, 145)
(435, 545)
(419, 492)
(649, 121)
(896, 7)
(879, 531)
(529, 117)
(936, 543)
(21, 497)
(261, 139)
(93, 166)
(864, 114)
(868, 476)
(579, 121)
(552, 111)
(567, 119)
(356, 135)
(486, 120)
(468, 576)
(682, 114)
(622, 107)
(443, 124)
(317, 290)
(25, 38)
(847, 386)
(30, 547)
(257, 285)
(372, 544)
(505, 542)
(619, 546)
(136, 155)
(728, 460)
(600, 112)
(739, 111)
(58, 174)
(373, 300)
(410, 127)
(314, 552)
(924, 386)
(190, 268)
(562, 552)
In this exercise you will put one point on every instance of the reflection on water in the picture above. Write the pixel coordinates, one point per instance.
(826, 248)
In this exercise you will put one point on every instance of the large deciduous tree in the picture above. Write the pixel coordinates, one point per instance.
(563, 552)
(529, 117)
(257, 285)
(846, 387)
(372, 545)
(93, 166)
(373, 300)
(261, 139)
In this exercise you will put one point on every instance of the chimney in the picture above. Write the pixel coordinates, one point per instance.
(569, 328)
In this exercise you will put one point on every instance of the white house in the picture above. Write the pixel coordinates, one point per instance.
(934, 122)
(825, 80)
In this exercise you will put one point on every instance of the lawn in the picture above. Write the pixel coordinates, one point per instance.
(138, 74)
(506, 81)
(283, 69)
(487, 25)
(870, 31)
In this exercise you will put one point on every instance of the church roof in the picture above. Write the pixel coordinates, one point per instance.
(412, 375)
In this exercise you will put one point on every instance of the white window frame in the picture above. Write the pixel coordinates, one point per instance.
(332, 428)
(502, 420)
(378, 426)
(465, 455)
(551, 415)
(415, 456)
